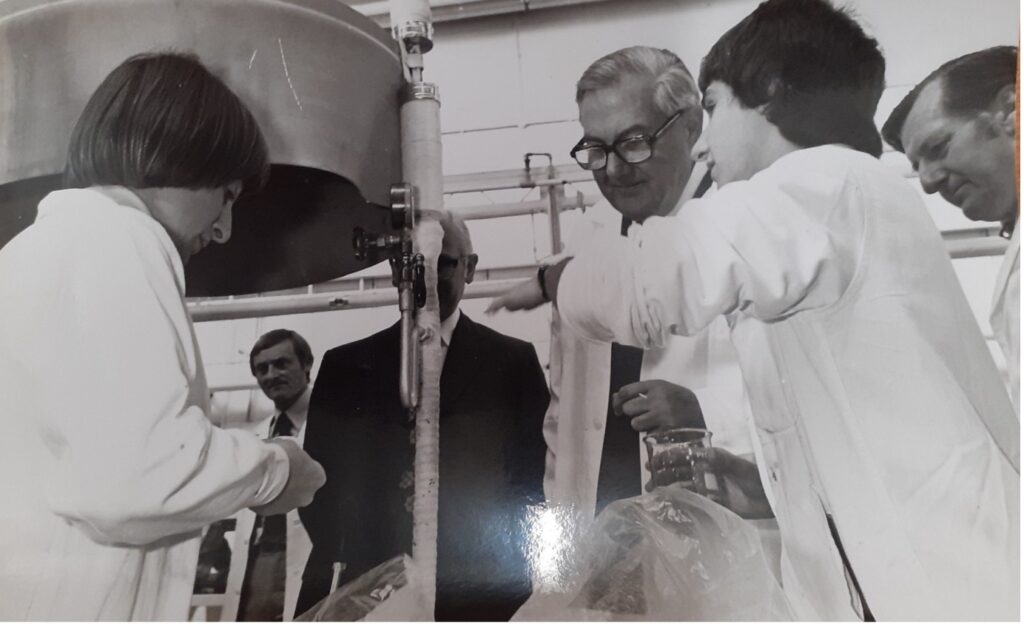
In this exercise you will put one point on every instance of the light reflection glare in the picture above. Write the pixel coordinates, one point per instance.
(552, 533)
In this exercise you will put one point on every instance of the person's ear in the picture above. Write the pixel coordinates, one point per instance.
(694, 125)
(470, 267)
(1005, 111)
(231, 192)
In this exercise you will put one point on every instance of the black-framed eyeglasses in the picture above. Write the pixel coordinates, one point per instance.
(633, 149)
(446, 264)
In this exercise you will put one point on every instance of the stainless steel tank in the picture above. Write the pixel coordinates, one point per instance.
(323, 81)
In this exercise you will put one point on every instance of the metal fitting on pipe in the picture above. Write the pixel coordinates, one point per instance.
(423, 91)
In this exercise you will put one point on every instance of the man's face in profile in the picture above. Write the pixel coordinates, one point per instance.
(969, 161)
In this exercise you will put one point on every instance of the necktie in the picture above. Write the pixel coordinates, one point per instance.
(262, 596)
(283, 426)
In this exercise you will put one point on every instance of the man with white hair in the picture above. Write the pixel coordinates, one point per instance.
(641, 115)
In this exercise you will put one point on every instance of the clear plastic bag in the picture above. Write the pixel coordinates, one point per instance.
(388, 592)
(667, 555)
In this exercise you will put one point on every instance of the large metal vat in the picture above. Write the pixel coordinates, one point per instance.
(323, 81)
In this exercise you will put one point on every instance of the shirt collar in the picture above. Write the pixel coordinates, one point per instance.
(697, 173)
(297, 411)
(448, 327)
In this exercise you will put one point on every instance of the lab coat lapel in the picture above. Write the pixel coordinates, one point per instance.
(1003, 279)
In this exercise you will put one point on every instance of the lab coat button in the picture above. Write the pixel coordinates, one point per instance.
(598, 424)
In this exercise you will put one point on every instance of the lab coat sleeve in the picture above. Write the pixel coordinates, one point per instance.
(763, 248)
(137, 459)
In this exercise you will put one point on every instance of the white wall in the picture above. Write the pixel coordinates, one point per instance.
(507, 86)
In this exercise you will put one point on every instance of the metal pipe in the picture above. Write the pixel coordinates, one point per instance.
(976, 247)
(342, 298)
(497, 211)
(510, 178)
(555, 208)
(409, 368)
(259, 307)
(420, 116)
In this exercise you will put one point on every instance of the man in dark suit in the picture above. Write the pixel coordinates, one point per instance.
(493, 399)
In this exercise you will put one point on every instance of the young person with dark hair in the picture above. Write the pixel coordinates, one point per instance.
(958, 127)
(112, 464)
(887, 450)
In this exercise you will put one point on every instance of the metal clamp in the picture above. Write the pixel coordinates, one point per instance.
(416, 36)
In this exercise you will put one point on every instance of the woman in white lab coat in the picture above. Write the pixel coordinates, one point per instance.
(887, 449)
(111, 466)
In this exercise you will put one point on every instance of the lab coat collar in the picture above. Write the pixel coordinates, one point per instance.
(697, 173)
(1009, 258)
(120, 196)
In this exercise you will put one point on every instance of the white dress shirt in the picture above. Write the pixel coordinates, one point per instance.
(447, 329)
(297, 547)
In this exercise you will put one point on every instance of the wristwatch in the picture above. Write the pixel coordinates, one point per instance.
(540, 279)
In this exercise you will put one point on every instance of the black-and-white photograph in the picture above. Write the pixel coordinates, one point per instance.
(509, 310)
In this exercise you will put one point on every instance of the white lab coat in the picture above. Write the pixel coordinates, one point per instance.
(705, 363)
(111, 467)
(1005, 317)
(874, 395)
(297, 547)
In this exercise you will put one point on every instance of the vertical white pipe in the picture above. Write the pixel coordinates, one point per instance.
(421, 158)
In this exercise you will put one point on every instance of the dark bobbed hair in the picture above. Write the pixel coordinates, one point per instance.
(970, 84)
(277, 336)
(163, 120)
(810, 65)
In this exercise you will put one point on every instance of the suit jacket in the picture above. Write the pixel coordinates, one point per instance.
(493, 399)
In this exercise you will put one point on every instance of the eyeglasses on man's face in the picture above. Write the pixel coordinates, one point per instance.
(446, 264)
(633, 149)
